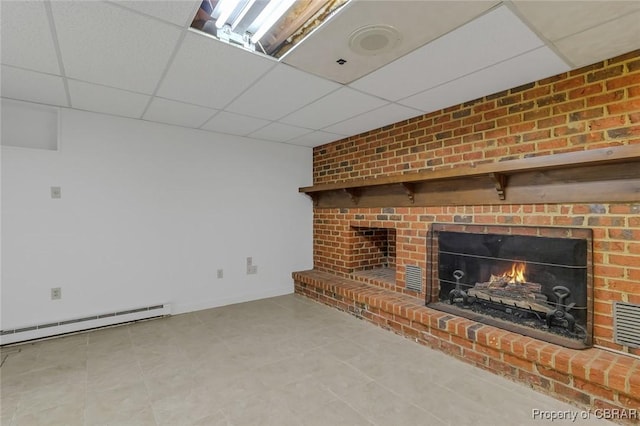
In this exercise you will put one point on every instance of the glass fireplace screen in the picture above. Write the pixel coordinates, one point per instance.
(532, 280)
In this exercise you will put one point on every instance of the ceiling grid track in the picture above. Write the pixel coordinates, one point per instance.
(174, 53)
(56, 45)
(144, 61)
(534, 30)
(253, 83)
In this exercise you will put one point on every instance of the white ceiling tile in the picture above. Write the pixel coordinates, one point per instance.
(611, 39)
(531, 66)
(179, 12)
(211, 73)
(279, 132)
(26, 38)
(181, 114)
(235, 124)
(380, 117)
(335, 107)
(109, 45)
(107, 100)
(32, 86)
(127, 45)
(315, 138)
(282, 91)
(558, 19)
(418, 22)
(492, 38)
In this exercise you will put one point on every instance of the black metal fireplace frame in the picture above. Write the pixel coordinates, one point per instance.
(432, 298)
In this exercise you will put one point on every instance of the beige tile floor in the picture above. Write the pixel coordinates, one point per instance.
(279, 361)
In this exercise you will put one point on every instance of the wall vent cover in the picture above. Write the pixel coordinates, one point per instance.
(413, 278)
(626, 324)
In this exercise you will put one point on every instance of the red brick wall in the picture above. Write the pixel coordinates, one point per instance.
(589, 108)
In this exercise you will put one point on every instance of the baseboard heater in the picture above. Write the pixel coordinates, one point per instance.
(79, 324)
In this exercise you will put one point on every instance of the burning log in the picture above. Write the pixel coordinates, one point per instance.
(512, 289)
(534, 302)
(502, 282)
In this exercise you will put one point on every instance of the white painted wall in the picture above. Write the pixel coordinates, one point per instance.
(148, 213)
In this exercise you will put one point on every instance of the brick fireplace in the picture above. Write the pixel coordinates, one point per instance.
(364, 248)
(533, 280)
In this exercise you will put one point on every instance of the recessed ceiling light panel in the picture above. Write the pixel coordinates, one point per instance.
(374, 39)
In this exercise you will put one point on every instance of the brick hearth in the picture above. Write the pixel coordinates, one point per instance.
(590, 108)
(590, 378)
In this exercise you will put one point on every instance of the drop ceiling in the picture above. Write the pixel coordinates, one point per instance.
(140, 59)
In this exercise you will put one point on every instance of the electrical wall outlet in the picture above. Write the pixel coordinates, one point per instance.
(56, 293)
(56, 192)
(251, 268)
(220, 273)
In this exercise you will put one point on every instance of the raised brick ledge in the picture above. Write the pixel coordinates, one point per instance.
(590, 377)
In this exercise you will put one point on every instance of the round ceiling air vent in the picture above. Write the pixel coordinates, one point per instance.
(374, 39)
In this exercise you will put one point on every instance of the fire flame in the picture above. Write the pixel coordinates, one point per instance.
(516, 275)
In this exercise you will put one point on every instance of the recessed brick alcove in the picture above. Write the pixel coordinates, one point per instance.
(591, 108)
(373, 254)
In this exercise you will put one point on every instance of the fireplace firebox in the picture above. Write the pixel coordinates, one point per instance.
(536, 281)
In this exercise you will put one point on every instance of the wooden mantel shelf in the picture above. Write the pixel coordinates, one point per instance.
(600, 175)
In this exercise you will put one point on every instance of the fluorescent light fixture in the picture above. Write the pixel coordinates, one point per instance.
(226, 9)
(246, 22)
(269, 16)
(242, 13)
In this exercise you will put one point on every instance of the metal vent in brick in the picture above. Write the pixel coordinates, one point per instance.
(413, 278)
(626, 324)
